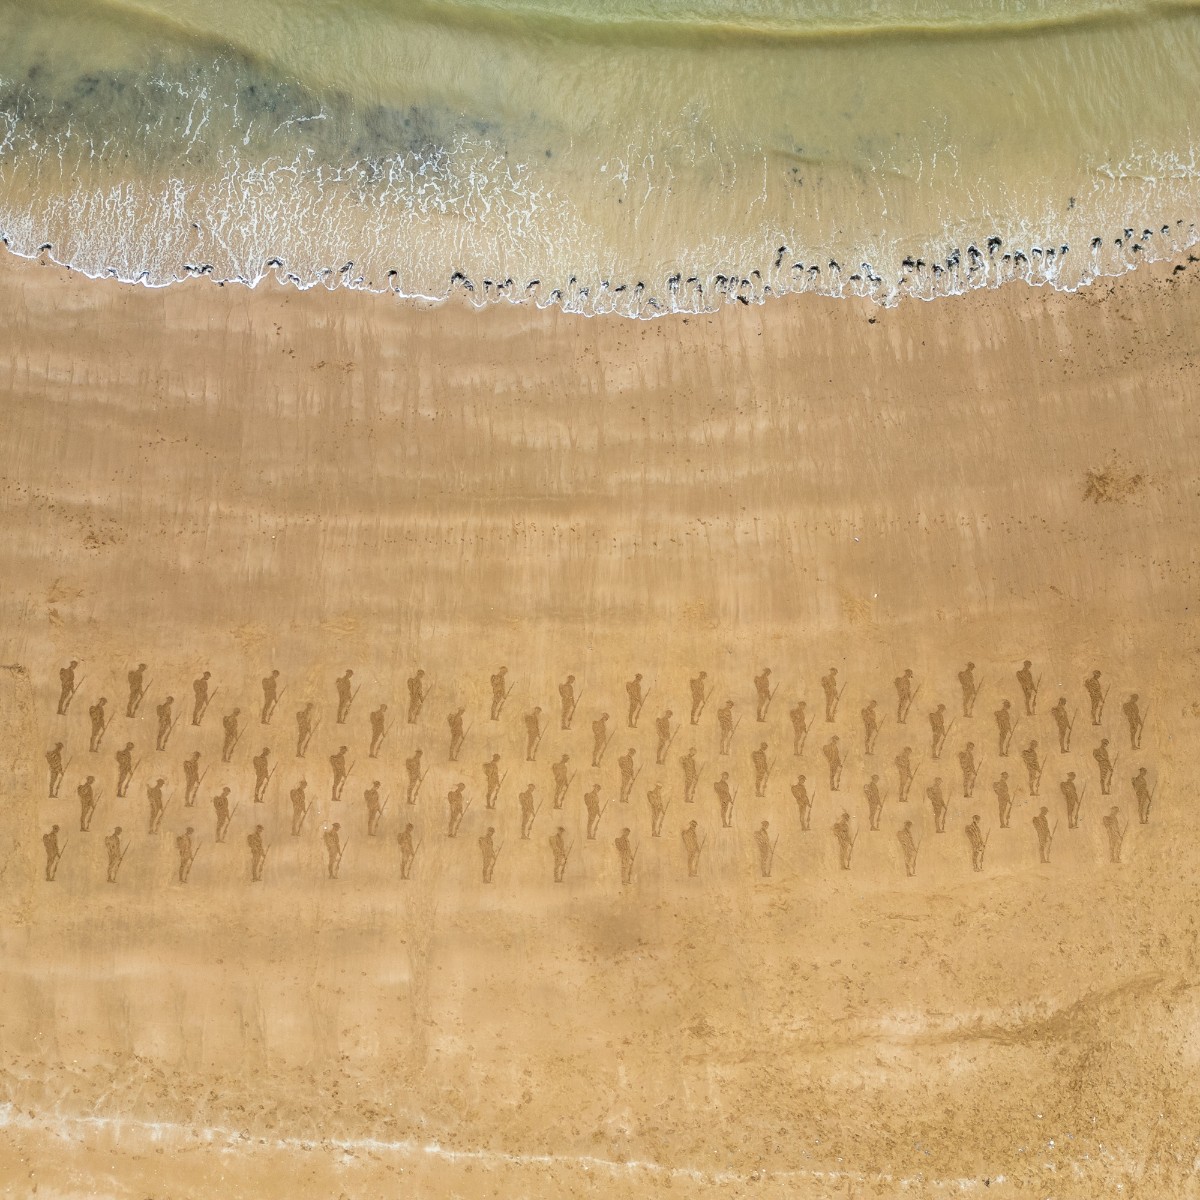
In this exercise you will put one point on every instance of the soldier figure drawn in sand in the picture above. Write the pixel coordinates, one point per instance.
(374, 803)
(53, 850)
(333, 849)
(191, 778)
(1005, 727)
(1033, 766)
(874, 802)
(1097, 693)
(457, 803)
(163, 712)
(566, 701)
(533, 733)
(904, 695)
(829, 685)
(88, 799)
(1062, 722)
(304, 728)
(1045, 835)
(969, 768)
(187, 851)
(489, 852)
(658, 809)
(412, 768)
(270, 691)
(726, 725)
(220, 805)
(232, 727)
(154, 793)
(725, 798)
(346, 691)
(662, 727)
(404, 839)
(766, 849)
(693, 845)
(1029, 687)
(626, 854)
(528, 811)
(137, 689)
(833, 756)
(67, 687)
(492, 780)
(978, 843)
(1116, 835)
(845, 841)
(1072, 798)
(561, 771)
(762, 769)
(258, 854)
(970, 689)
(97, 714)
(937, 730)
(908, 844)
(1144, 794)
(416, 699)
(379, 729)
(699, 690)
(905, 773)
(124, 758)
(54, 761)
(457, 733)
(763, 693)
(300, 806)
(591, 801)
(629, 773)
(500, 691)
(262, 773)
(341, 772)
(798, 715)
(803, 801)
(1004, 800)
(201, 697)
(633, 689)
(1135, 719)
(561, 852)
(1106, 766)
(599, 738)
(937, 800)
(870, 720)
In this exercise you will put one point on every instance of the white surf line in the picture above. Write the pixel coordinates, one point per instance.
(231, 1139)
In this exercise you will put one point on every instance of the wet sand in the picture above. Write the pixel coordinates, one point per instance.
(209, 478)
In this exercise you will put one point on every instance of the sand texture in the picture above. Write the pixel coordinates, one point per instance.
(206, 479)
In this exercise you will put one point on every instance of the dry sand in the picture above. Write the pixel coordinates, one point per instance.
(213, 479)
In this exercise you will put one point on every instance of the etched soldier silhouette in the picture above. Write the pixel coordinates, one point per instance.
(658, 809)
(137, 688)
(499, 682)
(833, 756)
(528, 811)
(829, 685)
(566, 700)
(937, 800)
(762, 769)
(1044, 835)
(489, 853)
(870, 720)
(412, 767)
(407, 850)
(258, 854)
(691, 774)
(191, 778)
(799, 718)
(908, 844)
(766, 851)
(725, 798)
(187, 853)
(662, 726)
(969, 768)
(633, 689)
(270, 691)
(699, 690)
(491, 775)
(803, 801)
(55, 762)
(845, 841)
(220, 805)
(938, 730)
(97, 715)
(874, 802)
(626, 854)
(262, 774)
(725, 724)
(333, 849)
(599, 738)
(304, 728)
(1004, 727)
(53, 851)
(561, 771)
(232, 727)
(1096, 693)
(762, 688)
(1135, 721)
(457, 803)
(978, 843)
(905, 773)
(457, 735)
(337, 761)
(124, 758)
(66, 682)
(561, 852)
(1029, 689)
(533, 733)
(1071, 796)
(904, 695)
(628, 773)
(1062, 723)
(1116, 835)
(1004, 800)
(300, 805)
(163, 713)
(344, 685)
(154, 793)
(374, 803)
(201, 698)
(378, 730)
(87, 803)
(1145, 797)
(591, 801)
(692, 845)
(1029, 756)
(1106, 764)
(416, 698)
(970, 689)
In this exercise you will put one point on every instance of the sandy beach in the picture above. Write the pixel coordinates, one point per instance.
(207, 478)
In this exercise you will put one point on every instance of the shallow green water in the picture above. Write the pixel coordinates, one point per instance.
(628, 157)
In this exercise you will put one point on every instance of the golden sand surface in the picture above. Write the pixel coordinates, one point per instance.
(213, 479)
